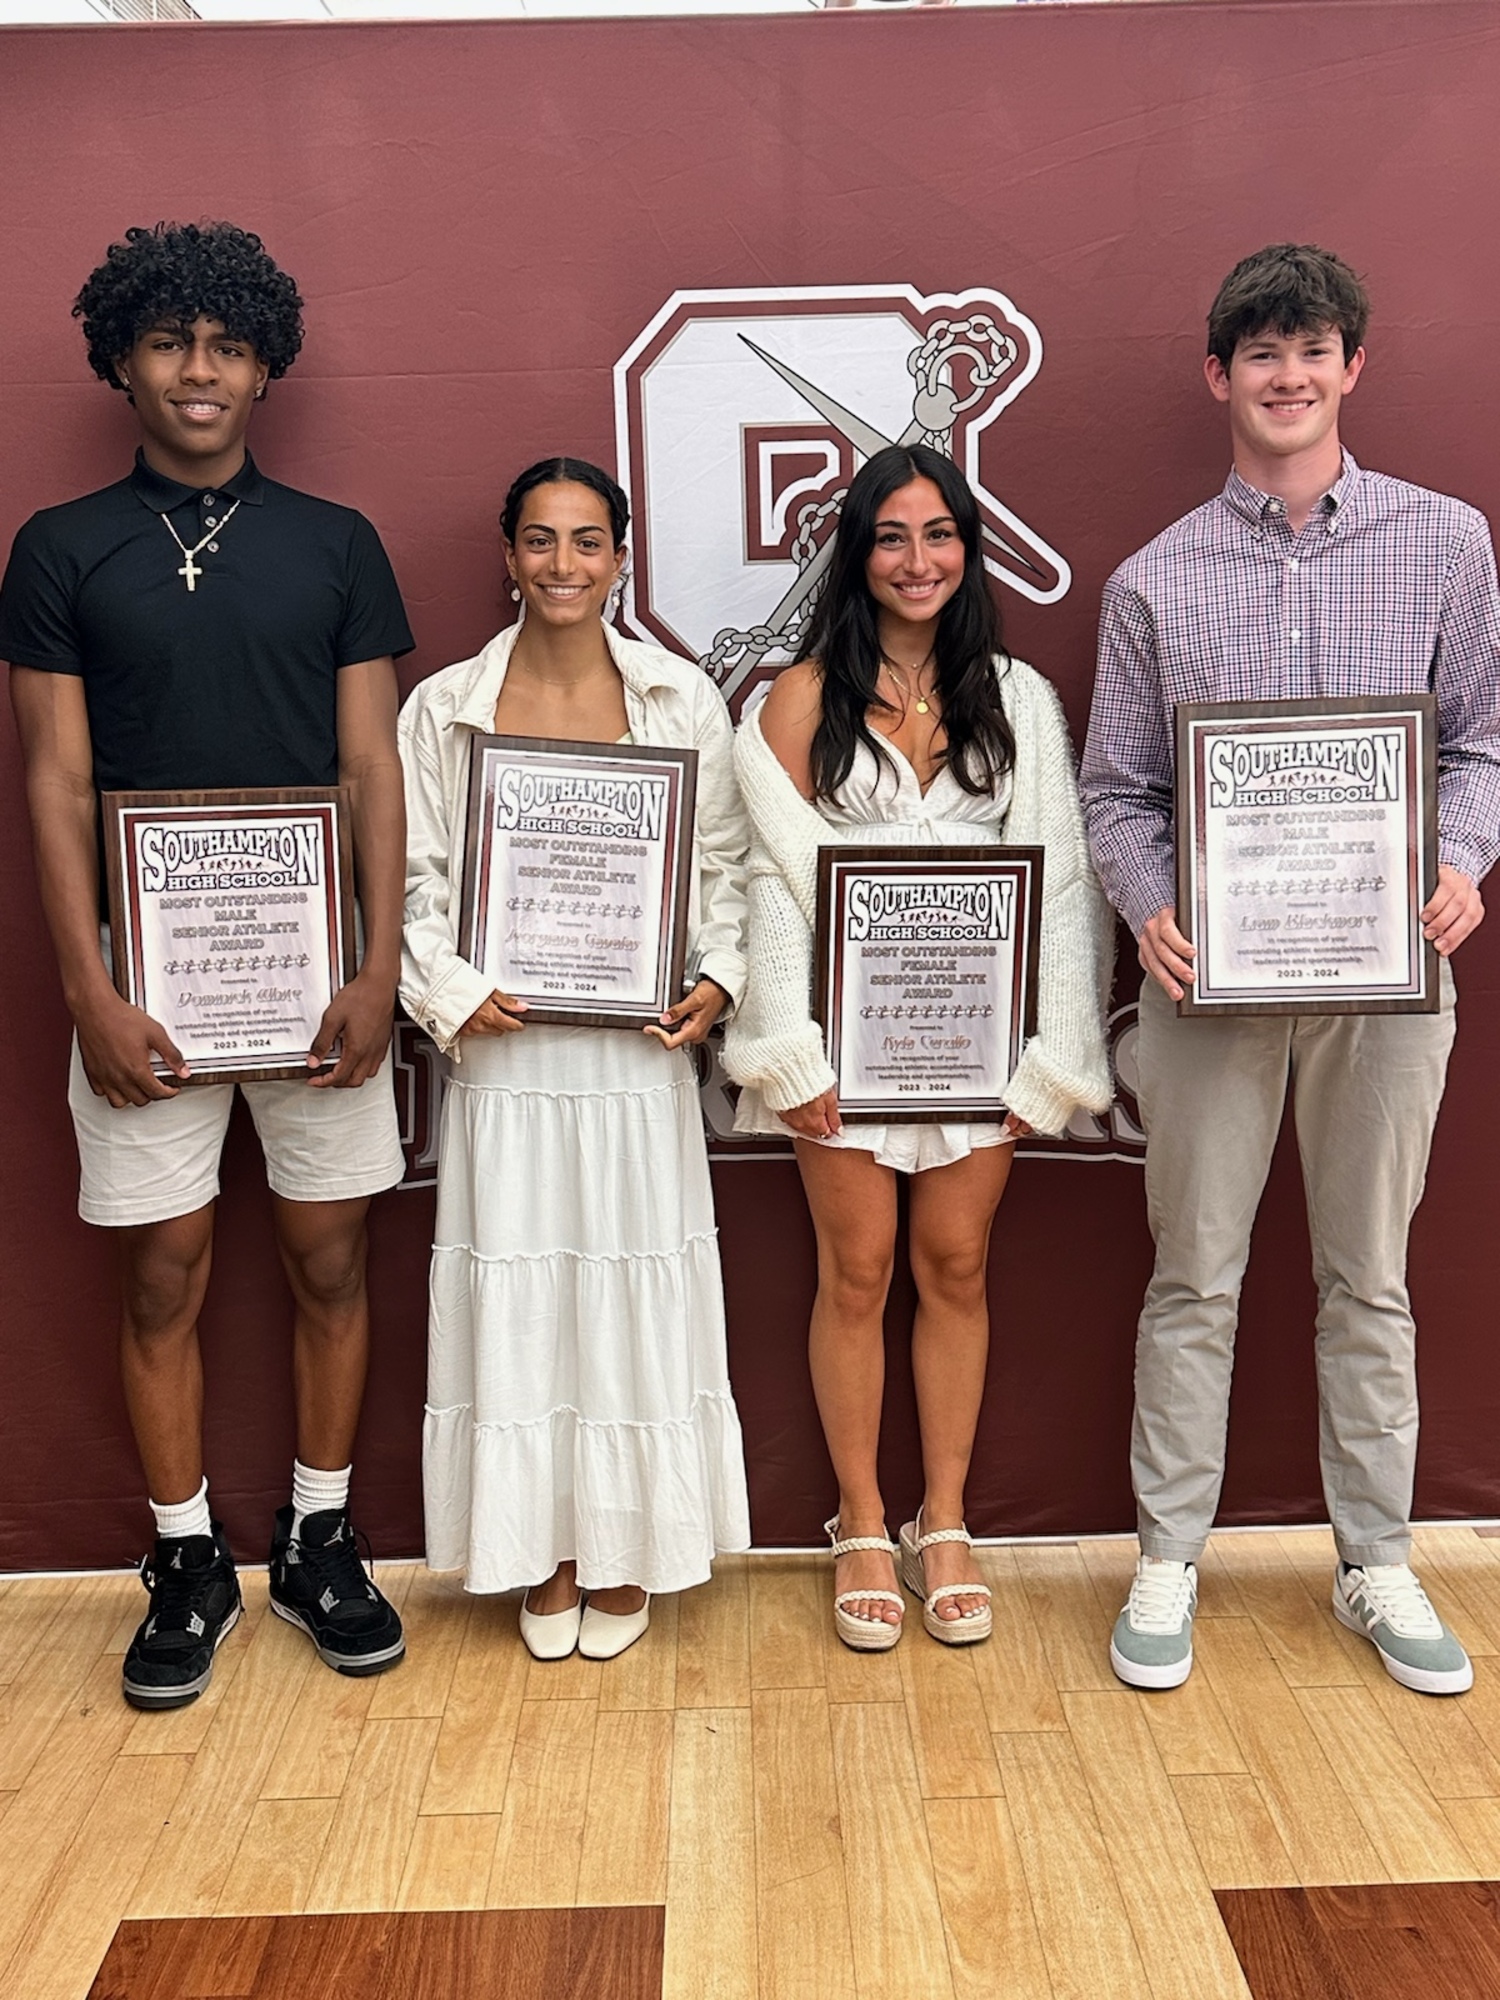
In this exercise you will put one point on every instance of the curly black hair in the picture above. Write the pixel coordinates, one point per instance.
(181, 271)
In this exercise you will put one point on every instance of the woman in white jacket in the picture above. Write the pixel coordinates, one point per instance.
(904, 720)
(580, 1436)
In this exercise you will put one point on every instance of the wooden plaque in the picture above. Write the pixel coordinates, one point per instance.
(1306, 850)
(926, 977)
(232, 921)
(578, 864)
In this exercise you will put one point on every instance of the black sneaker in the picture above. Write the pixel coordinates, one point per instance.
(195, 1605)
(319, 1583)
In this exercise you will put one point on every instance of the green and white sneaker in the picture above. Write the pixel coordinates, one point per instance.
(1385, 1604)
(1152, 1645)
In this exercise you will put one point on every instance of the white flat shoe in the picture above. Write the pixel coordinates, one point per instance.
(551, 1635)
(606, 1634)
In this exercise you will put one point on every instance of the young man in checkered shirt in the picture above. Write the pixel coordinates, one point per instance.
(1306, 576)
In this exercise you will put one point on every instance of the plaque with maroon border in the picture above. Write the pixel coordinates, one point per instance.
(926, 977)
(231, 918)
(578, 864)
(1306, 850)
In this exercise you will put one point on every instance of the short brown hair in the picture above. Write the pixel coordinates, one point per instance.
(1288, 288)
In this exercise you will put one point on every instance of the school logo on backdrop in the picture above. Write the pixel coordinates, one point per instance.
(740, 419)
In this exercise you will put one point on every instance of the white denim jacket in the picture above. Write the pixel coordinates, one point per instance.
(668, 701)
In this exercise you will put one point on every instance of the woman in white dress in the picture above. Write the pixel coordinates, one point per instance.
(903, 719)
(580, 1439)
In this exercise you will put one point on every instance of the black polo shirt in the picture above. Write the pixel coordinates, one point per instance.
(231, 683)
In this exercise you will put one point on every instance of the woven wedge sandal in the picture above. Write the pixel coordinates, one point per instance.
(972, 1626)
(863, 1635)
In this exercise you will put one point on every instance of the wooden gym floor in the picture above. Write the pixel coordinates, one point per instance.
(1003, 1821)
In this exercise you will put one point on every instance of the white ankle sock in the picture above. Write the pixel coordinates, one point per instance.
(186, 1517)
(315, 1492)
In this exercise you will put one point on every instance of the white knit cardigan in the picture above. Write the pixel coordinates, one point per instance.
(772, 1040)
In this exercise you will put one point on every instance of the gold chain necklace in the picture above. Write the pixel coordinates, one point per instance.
(905, 687)
(190, 571)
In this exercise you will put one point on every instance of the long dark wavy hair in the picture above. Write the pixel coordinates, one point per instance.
(843, 636)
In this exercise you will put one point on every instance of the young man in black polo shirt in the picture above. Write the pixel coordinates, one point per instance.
(198, 625)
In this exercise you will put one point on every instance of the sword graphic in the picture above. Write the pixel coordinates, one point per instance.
(867, 440)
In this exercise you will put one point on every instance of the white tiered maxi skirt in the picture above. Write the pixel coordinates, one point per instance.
(578, 1391)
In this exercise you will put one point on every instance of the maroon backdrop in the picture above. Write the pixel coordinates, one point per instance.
(483, 217)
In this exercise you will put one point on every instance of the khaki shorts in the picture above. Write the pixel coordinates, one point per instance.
(149, 1162)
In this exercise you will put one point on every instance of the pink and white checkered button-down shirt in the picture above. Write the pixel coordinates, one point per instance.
(1388, 589)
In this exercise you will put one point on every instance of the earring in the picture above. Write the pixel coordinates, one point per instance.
(260, 393)
(515, 595)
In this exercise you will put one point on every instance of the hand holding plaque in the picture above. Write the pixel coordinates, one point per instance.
(926, 977)
(577, 870)
(232, 922)
(1307, 847)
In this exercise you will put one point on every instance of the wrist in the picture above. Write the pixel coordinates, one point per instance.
(379, 969)
(88, 989)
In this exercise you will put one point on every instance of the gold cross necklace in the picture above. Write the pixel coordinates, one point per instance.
(190, 572)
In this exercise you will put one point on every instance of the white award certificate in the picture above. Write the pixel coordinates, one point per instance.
(1307, 847)
(577, 870)
(232, 921)
(926, 974)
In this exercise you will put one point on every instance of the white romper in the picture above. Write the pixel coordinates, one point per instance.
(773, 1048)
(881, 803)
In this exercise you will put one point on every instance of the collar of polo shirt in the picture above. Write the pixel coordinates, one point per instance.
(164, 496)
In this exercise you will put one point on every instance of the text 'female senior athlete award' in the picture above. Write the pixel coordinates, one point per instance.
(578, 863)
(1306, 849)
(926, 976)
(232, 921)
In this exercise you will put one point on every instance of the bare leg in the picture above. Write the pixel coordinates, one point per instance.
(323, 1245)
(952, 1212)
(559, 1593)
(164, 1269)
(853, 1203)
(620, 1600)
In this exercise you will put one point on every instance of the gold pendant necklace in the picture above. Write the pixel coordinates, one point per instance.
(905, 687)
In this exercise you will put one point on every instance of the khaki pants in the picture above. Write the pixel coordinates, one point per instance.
(1365, 1091)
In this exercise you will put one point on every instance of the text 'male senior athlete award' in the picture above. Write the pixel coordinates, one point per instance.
(578, 863)
(1306, 849)
(232, 921)
(926, 976)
